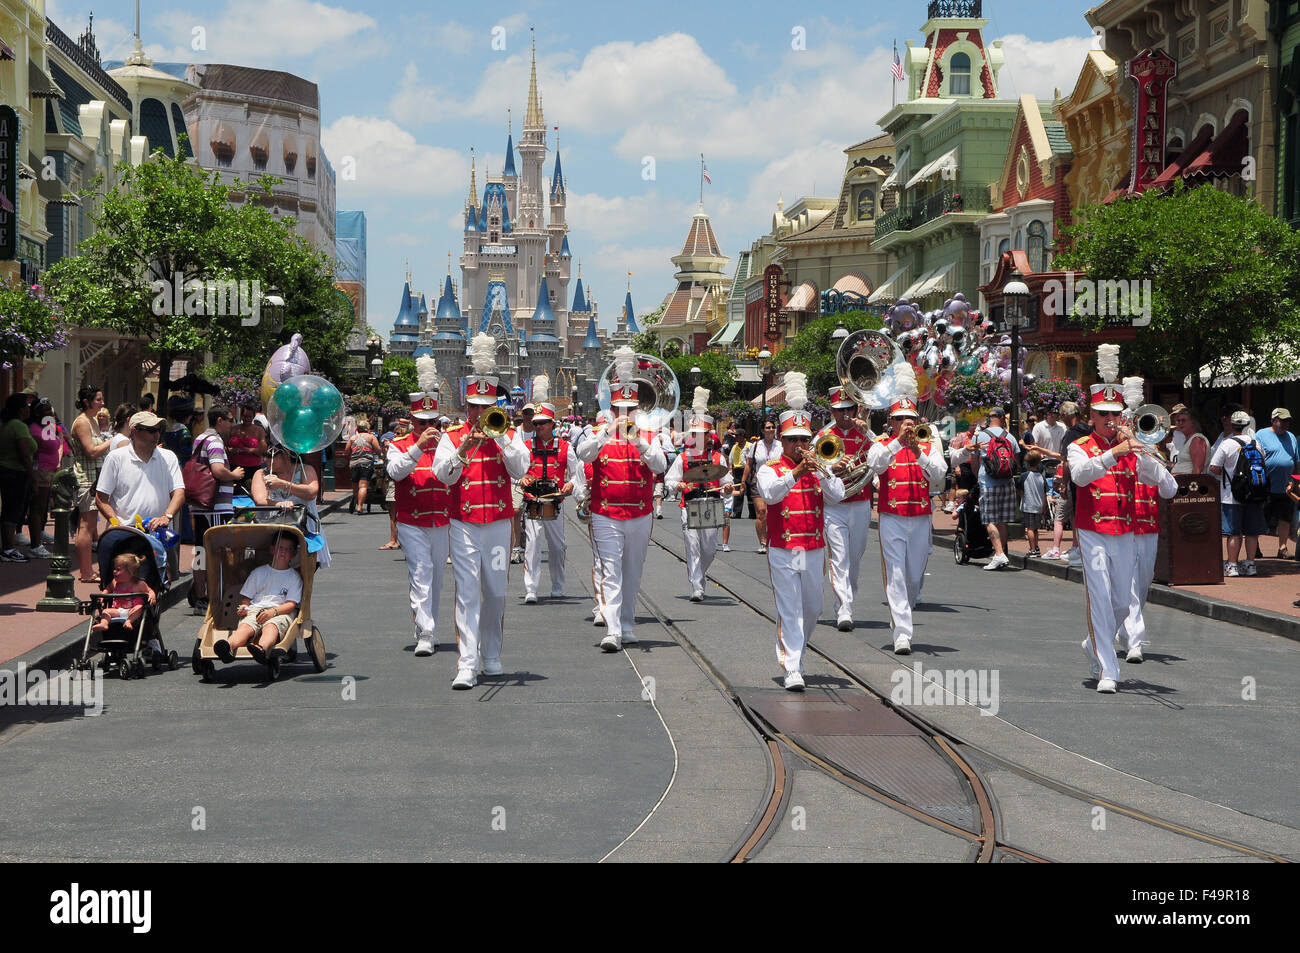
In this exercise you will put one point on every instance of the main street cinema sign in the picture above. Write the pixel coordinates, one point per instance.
(772, 275)
(8, 183)
(1152, 72)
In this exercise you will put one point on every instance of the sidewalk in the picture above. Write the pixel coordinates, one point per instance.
(22, 585)
(1261, 602)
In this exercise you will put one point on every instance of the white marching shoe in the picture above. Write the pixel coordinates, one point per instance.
(1106, 686)
(465, 678)
(530, 599)
(611, 643)
(794, 682)
(425, 646)
(844, 623)
(492, 666)
(697, 595)
(902, 645)
(1134, 655)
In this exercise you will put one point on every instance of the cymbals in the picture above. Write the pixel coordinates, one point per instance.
(704, 473)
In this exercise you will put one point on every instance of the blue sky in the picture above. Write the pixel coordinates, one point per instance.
(408, 88)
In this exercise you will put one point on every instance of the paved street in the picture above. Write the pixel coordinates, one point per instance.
(566, 756)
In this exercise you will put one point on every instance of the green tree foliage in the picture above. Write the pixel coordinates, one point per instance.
(1225, 280)
(813, 351)
(647, 341)
(389, 388)
(717, 373)
(166, 217)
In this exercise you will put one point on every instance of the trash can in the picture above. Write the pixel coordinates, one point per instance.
(1190, 552)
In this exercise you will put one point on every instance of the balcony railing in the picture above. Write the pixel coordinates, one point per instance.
(946, 201)
(960, 9)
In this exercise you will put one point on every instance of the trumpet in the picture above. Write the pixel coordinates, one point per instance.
(494, 423)
(923, 433)
(828, 450)
(1150, 427)
(621, 426)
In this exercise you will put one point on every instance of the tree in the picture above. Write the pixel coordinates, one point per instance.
(1224, 280)
(167, 217)
(647, 340)
(813, 350)
(717, 373)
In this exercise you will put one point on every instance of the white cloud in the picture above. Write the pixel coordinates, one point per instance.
(1039, 67)
(389, 161)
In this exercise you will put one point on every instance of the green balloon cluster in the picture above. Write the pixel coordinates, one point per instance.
(306, 413)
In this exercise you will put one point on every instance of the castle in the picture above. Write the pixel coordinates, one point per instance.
(515, 272)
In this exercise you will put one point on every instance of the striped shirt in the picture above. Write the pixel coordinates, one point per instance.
(209, 448)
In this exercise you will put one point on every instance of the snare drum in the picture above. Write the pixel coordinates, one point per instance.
(541, 509)
(705, 513)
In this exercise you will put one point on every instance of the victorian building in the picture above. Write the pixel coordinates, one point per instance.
(696, 309)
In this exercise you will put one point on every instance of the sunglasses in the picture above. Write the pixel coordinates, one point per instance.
(1110, 413)
(150, 429)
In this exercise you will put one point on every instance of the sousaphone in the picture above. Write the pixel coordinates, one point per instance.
(657, 391)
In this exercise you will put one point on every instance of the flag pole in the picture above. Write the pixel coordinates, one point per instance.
(893, 80)
(701, 178)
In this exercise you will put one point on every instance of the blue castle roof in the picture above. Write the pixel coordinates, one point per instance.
(564, 247)
(471, 220)
(403, 336)
(631, 314)
(407, 315)
(497, 189)
(592, 339)
(579, 299)
(510, 154)
(448, 309)
(543, 317)
(422, 307)
(424, 351)
(557, 181)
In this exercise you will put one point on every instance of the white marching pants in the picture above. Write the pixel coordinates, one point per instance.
(533, 530)
(904, 551)
(596, 583)
(426, 556)
(1109, 564)
(621, 547)
(480, 561)
(701, 547)
(798, 579)
(847, 525)
(1135, 626)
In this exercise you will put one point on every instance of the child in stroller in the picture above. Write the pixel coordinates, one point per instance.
(972, 540)
(127, 612)
(268, 605)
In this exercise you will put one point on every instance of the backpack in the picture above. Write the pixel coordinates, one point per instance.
(999, 458)
(179, 442)
(200, 484)
(1250, 478)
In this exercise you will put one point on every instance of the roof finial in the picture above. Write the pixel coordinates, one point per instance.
(510, 126)
(533, 118)
(473, 187)
(449, 263)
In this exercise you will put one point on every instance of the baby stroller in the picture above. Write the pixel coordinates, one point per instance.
(972, 539)
(119, 649)
(233, 551)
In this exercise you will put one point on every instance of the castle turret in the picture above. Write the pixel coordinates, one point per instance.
(406, 326)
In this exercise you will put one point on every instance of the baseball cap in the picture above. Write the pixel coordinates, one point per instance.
(144, 418)
(1240, 418)
(1281, 412)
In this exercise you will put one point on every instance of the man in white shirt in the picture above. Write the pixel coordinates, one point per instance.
(141, 479)
(1240, 520)
(1049, 433)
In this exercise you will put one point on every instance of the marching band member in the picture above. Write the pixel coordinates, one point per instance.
(793, 487)
(622, 493)
(1146, 538)
(583, 496)
(479, 470)
(701, 544)
(905, 468)
(848, 521)
(1106, 466)
(553, 460)
(422, 504)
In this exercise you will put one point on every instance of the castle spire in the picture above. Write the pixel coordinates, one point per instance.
(533, 118)
(510, 147)
(473, 187)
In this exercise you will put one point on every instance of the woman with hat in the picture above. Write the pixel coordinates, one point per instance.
(795, 491)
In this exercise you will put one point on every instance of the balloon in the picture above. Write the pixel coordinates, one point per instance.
(306, 413)
(288, 361)
(967, 367)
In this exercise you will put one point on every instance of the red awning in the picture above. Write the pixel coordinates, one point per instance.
(6, 205)
(1121, 188)
(1193, 151)
(1225, 155)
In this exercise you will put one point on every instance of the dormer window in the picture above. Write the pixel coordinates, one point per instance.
(959, 75)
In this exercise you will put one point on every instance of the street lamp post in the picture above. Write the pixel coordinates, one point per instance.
(573, 400)
(839, 334)
(394, 380)
(1015, 299)
(376, 366)
(764, 361)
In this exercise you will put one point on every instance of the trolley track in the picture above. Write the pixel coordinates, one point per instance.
(987, 844)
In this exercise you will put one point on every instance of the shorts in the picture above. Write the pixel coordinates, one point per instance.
(85, 501)
(362, 471)
(390, 492)
(1243, 519)
(517, 496)
(1058, 508)
(1031, 520)
(998, 503)
(203, 520)
(1279, 509)
(281, 622)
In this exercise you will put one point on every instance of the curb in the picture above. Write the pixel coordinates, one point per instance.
(1262, 620)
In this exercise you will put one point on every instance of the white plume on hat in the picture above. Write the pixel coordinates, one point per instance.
(1108, 362)
(700, 403)
(624, 364)
(796, 389)
(905, 381)
(483, 353)
(1133, 392)
(426, 369)
(541, 388)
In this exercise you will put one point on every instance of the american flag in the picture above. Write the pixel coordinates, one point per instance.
(897, 67)
(706, 174)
